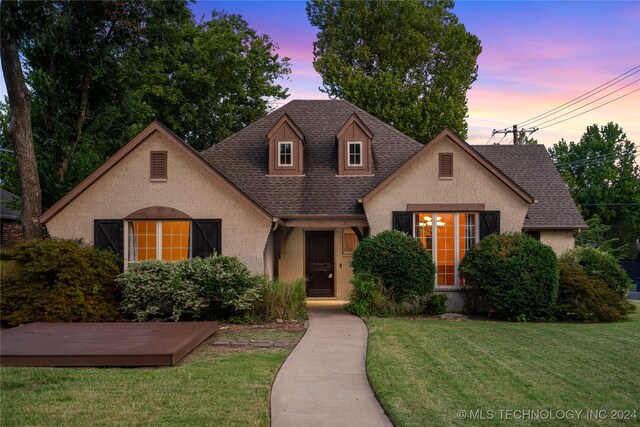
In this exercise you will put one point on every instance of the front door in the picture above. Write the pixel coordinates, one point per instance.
(319, 263)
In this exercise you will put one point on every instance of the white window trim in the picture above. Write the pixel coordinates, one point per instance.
(349, 144)
(456, 244)
(158, 240)
(280, 143)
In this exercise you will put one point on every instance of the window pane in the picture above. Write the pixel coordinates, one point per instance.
(348, 241)
(424, 230)
(142, 240)
(355, 155)
(175, 240)
(466, 233)
(445, 243)
(286, 157)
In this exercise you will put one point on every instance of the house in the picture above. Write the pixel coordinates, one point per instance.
(10, 227)
(293, 193)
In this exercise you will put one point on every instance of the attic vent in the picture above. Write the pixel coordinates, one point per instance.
(446, 165)
(159, 165)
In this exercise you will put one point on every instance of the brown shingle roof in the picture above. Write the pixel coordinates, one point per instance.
(243, 159)
(532, 168)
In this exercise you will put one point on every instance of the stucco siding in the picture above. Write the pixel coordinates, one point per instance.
(560, 240)
(420, 184)
(127, 187)
(291, 263)
(343, 269)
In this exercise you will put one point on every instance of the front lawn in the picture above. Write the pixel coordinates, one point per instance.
(212, 386)
(425, 371)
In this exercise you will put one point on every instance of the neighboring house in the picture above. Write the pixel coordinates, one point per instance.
(10, 227)
(293, 193)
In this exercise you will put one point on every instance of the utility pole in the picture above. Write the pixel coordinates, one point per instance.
(514, 130)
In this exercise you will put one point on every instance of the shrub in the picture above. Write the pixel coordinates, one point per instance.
(585, 296)
(601, 265)
(194, 288)
(404, 267)
(154, 289)
(282, 300)
(59, 281)
(435, 304)
(224, 281)
(517, 274)
(370, 298)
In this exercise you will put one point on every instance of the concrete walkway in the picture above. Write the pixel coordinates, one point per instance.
(324, 382)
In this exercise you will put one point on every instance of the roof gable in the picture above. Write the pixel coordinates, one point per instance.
(354, 119)
(152, 128)
(286, 119)
(448, 134)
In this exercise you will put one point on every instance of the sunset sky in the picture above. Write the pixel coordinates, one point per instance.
(536, 56)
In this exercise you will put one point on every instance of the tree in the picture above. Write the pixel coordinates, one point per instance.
(524, 139)
(410, 63)
(596, 236)
(207, 80)
(19, 129)
(603, 179)
(100, 71)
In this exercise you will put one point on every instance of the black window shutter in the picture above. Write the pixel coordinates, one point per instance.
(489, 223)
(402, 222)
(207, 237)
(109, 234)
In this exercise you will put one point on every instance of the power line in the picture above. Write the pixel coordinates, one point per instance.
(598, 159)
(516, 133)
(591, 109)
(490, 138)
(590, 93)
(585, 105)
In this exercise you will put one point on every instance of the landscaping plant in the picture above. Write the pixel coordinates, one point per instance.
(370, 298)
(282, 300)
(403, 266)
(196, 288)
(59, 281)
(435, 304)
(591, 290)
(601, 265)
(516, 274)
(154, 290)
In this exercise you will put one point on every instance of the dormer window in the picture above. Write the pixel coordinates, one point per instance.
(354, 148)
(285, 158)
(355, 153)
(286, 148)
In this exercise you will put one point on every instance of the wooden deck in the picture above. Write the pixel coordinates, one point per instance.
(102, 344)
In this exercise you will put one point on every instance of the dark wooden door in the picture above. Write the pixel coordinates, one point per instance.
(319, 263)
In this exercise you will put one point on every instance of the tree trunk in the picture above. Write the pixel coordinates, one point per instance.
(63, 161)
(20, 124)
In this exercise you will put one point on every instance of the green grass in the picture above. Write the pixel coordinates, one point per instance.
(425, 371)
(211, 386)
